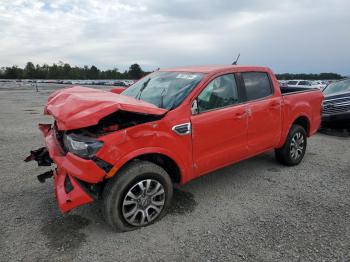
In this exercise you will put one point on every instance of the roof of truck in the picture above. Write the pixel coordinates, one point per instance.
(214, 68)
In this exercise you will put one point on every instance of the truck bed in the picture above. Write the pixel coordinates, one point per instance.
(304, 101)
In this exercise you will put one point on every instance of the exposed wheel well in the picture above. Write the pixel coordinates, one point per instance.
(304, 122)
(165, 162)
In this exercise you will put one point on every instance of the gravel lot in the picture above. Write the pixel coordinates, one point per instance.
(256, 210)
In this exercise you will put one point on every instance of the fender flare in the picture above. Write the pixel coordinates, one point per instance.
(286, 132)
(148, 150)
(304, 115)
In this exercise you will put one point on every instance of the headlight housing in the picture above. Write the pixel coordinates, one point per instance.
(83, 146)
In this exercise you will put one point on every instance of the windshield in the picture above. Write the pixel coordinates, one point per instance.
(337, 87)
(164, 89)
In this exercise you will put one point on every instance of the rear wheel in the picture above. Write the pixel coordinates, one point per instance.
(294, 148)
(137, 196)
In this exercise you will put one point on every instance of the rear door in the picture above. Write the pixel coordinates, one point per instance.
(264, 109)
(219, 128)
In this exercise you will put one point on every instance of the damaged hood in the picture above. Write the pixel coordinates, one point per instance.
(79, 107)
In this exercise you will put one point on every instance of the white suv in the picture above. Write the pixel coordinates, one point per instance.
(300, 83)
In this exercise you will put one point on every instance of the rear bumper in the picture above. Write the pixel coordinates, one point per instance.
(70, 169)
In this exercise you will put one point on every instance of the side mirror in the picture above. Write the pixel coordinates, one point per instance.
(194, 107)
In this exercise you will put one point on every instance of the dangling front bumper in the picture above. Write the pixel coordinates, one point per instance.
(72, 175)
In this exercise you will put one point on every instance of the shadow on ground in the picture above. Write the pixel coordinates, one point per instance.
(183, 203)
(339, 132)
(63, 233)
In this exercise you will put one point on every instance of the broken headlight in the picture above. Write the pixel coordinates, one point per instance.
(83, 146)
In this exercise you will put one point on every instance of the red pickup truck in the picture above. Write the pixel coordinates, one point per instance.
(170, 127)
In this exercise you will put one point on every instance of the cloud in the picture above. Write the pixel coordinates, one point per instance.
(288, 36)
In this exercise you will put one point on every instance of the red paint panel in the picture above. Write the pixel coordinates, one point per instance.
(83, 169)
(264, 124)
(67, 201)
(219, 138)
(72, 166)
(117, 90)
(79, 107)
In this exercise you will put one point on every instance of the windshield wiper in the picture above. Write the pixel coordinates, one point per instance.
(162, 94)
(138, 95)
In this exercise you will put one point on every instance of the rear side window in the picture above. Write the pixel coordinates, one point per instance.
(257, 85)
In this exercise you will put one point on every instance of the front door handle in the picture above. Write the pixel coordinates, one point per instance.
(248, 111)
(275, 105)
(240, 115)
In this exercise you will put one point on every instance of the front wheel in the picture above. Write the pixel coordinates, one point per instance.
(294, 148)
(137, 196)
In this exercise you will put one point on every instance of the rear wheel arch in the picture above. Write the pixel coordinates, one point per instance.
(303, 121)
(293, 150)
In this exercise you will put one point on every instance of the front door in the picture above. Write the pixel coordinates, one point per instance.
(219, 129)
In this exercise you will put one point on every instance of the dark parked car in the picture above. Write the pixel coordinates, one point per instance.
(336, 104)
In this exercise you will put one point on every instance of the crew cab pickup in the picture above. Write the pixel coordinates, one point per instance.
(171, 126)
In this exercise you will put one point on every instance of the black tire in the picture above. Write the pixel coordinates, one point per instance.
(284, 155)
(117, 188)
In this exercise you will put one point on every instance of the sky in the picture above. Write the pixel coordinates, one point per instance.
(288, 36)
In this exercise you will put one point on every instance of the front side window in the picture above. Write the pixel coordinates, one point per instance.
(337, 87)
(164, 89)
(220, 92)
(257, 85)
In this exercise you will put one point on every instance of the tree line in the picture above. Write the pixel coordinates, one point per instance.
(66, 71)
(321, 76)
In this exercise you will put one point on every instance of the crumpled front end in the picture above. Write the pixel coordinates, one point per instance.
(75, 178)
(82, 117)
(69, 193)
(78, 107)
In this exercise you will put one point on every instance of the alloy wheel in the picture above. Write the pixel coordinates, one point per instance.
(297, 146)
(144, 202)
